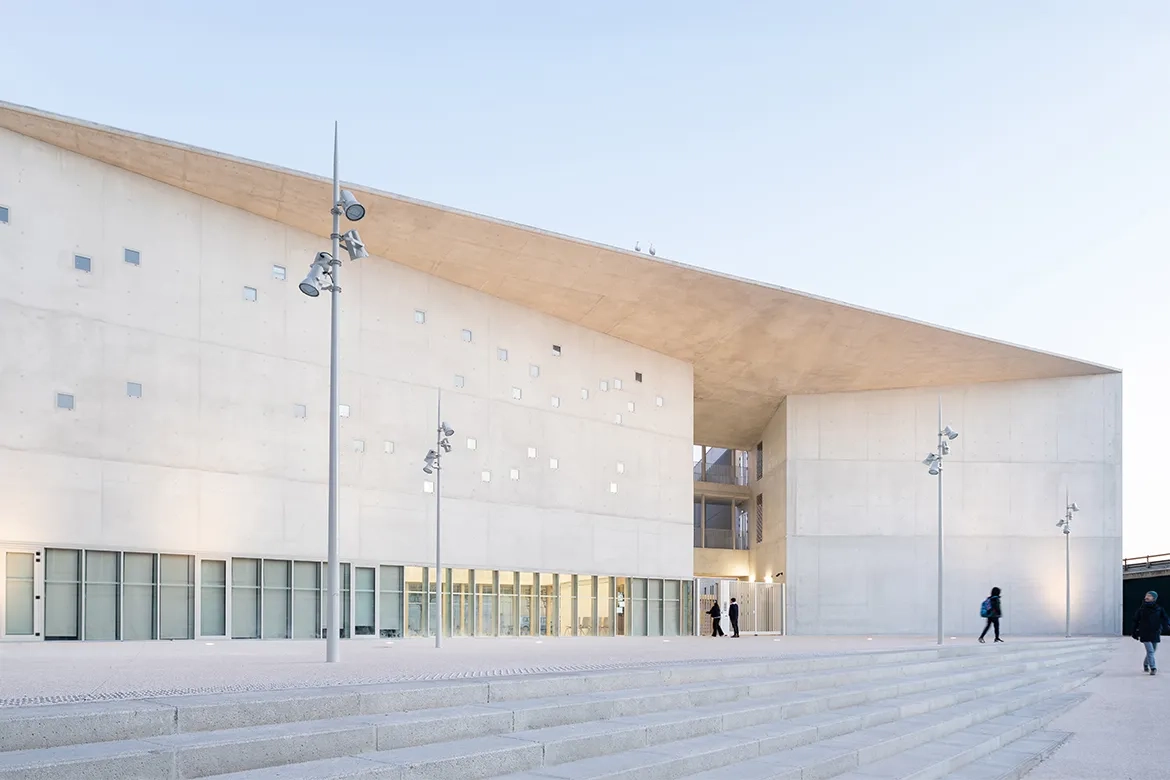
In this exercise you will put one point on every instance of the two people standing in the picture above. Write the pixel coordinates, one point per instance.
(1148, 624)
(732, 612)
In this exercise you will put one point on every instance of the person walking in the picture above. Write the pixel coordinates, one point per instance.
(992, 609)
(1148, 624)
(716, 613)
(733, 613)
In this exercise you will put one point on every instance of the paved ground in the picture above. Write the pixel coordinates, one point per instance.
(1123, 731)
(50, 672)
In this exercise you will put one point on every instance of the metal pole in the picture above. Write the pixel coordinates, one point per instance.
(333, 611)
(940, 523)
(438, 522)
(1067, 567)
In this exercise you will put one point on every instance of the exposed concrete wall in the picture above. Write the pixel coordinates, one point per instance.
(768, 557)
(722, 563)
(211, 458)
(863, 511)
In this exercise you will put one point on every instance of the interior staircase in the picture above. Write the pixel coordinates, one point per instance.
(971, 712)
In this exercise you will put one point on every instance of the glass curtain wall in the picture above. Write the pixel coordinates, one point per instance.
(306, 600)
(20, 593)
(213, 598)
(176, 597)
(485, 603)
(638, 607)
(364, 601)
(605, 606)
(277, 599)
(548, 605)
(586, 621)
(718, 531)
(529, 623)
(461, 608)
(417, 603)
(138, 596)
(568, 604)
(245, 598)
(671, 601)
(62, 594)
(102, 580)
(509, 603)
(390, 601)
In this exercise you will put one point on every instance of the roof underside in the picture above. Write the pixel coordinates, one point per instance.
(750, 344)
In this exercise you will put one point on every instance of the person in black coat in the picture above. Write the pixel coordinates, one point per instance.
(993, 614)
(733, 613)
(1148, 624)
(716, 613)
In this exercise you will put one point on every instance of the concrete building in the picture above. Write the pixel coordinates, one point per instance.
(623, 425)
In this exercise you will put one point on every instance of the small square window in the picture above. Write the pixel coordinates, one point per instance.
(617, 384)
(502, 354)
(472, 444)
(556, 350)
(359, 445)
(603, 386)
(532, 452)
(584, 394)
(515, 475)
(428, 486)
(617, 419)
(612, 487)
(134, 389)
(249, 293)
(467, 335)
(630, 406)
(658, 401)
(621, 467)
(517, 394)
(388, 447)
(637, 376)
(420, 316)
(65, 401)
(279, 273)
(300, 411)
(460, 381)
(556, 402)
(132, 256)
(554, 464)
(343, 410)
(82, 263)
(485, 476)
(534, 371)
(3, 215)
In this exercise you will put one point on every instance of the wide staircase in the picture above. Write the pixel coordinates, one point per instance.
(965, 712)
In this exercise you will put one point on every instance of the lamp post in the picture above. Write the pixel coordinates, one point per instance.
(433, 464)
(324, 274)
(1065, 523)
(934, 463)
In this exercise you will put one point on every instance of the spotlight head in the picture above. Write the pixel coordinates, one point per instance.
(933, 471)
(446, 429)
(1060, 523)
(930, 460)
(427, 469)
(950, 433)
(1073, 507)
(318, 277)
(446, 445)
(354, 211)
(354, 245)
(945, 449)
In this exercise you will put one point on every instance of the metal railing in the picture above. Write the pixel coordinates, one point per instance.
(722, 474)
(1146, 562)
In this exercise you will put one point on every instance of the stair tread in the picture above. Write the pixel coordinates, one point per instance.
(1013, 760)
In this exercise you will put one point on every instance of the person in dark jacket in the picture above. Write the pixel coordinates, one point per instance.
(993, 615)
(1148, 624)
(733, 613)
(716, 613)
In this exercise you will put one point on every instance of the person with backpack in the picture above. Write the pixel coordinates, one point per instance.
(992, 611)
(1148, 624)
(733, 613)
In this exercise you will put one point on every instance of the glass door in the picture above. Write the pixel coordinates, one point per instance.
(23, 605)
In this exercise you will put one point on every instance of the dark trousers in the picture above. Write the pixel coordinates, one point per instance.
(716, 629)
(991, 621)
(735, 627)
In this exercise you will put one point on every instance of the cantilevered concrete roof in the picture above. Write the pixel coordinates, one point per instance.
(751, 344)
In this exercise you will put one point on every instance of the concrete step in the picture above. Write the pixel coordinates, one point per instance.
(1013, 760)
(598, 745)
(552, 699)
(201, 754)
(1008, 746)
(770, 752)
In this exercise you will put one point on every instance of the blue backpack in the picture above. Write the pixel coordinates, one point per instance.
(985, 608)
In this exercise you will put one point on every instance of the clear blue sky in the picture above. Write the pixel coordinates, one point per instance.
(997, 167)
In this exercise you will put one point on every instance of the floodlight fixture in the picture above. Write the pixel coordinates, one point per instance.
(950, 433)
(318, 278)
(447, 429)
(353, 210)
(352, 241)
(1073, 507)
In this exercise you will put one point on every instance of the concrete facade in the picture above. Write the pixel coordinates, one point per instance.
(862, 511)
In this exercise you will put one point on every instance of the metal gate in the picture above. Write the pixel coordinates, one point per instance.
(761, 605)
